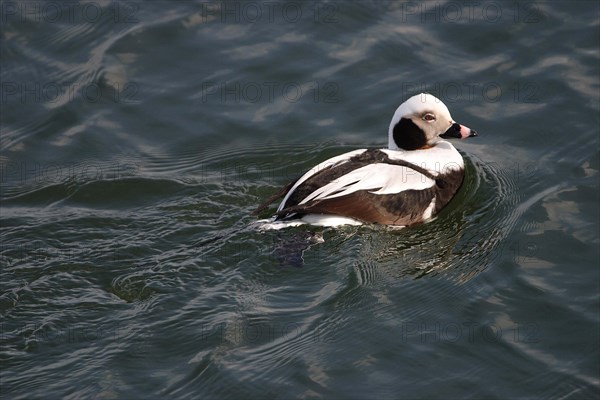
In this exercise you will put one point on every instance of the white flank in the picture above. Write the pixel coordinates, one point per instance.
(312, 219)
(429, 210)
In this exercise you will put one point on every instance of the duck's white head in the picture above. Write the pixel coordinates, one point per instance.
(421, 121)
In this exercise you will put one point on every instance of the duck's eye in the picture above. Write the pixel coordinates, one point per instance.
(429, 117)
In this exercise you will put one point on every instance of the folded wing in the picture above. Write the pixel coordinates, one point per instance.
(378, 192)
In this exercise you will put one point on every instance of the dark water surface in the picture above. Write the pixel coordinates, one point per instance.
(138, 136)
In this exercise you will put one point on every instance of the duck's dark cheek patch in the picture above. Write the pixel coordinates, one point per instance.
(408, 136)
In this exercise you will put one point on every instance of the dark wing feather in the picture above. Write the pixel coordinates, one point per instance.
(405, 208)
(317, 180)
(282, 192)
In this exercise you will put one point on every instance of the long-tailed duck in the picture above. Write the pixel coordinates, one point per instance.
(405, 184)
